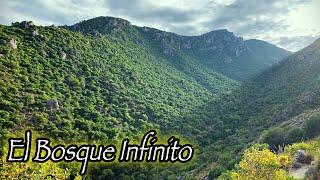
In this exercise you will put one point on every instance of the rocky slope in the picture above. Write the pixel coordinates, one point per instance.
(219, 50)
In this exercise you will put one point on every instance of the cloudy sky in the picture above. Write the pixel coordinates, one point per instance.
(291, 24)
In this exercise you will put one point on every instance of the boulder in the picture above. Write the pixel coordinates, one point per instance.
(35, 33)
(311, 172)
(302, 157)
(26, 24)
(52, 104)
(63, 55)
(1, 55)
(204, 178)
(13, 43)
(97, 34)
(44, 54)
(139, 42)
(296, 165)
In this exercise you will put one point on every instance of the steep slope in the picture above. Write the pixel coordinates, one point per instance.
(218, 50)
(68, 83)
(285, 91)
(290, 87)
(260, 55)
(79, 87)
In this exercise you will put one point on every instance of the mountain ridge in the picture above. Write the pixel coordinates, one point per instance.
(219, 50)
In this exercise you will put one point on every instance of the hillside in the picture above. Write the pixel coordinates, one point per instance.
(105, 79)
(79, 87)
(286, 93)
(106, 85)
(218, 50)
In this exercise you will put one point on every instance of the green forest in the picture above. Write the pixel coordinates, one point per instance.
(103, 80)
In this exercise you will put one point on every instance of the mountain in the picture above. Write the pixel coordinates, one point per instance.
(107, 84)
(78, 87)
(292, 86)
(105, 79)
(284, 96)
(285, 101)
(219, 50)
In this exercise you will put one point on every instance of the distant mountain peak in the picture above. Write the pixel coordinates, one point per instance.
(219, 31)
(219, 49)
(102, 24)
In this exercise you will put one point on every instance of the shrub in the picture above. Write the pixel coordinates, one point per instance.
(259, 164)
(274, 137)
(313, 126)
(278, 137)
(216, 172)
(294, 134)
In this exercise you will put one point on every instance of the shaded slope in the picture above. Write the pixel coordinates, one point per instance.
(227, 125)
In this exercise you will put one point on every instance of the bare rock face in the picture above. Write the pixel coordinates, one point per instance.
(139, 42)
(53, 104)
(26, 24)
(13, 44)
(168, 51)
(54, 26)
(44, 54)
(35, 33)
(97, 34)
(63, 55)
(309, 99)
(145, 29)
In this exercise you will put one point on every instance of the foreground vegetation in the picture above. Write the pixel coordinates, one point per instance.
(259, 162)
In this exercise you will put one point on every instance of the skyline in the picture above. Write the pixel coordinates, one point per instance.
(290, 24)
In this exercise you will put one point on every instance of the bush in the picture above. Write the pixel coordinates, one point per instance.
(294, 134)
(313, 126)
(277, 137)
(274, 137)
(259, 164)
(216, 172)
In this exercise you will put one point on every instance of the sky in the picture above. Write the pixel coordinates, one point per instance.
(290, 24)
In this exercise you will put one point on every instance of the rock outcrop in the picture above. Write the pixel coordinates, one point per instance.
(52, 104)
(63, 55)
(301, 158)
(35, 33)
(101, 25)
(24, 24)
(13, 44)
